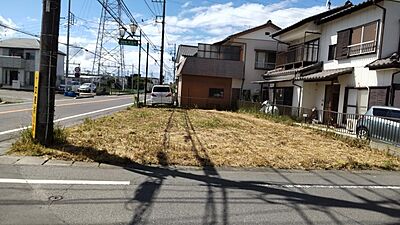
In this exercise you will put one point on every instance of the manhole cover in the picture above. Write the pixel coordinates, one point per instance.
(56, 198)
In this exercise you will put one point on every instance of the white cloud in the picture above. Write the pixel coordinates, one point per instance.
(4, 32)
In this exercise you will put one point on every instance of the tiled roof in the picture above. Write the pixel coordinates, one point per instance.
(267, 24)
(326, 74)
(280, 72)
(390, 62)
(186, 50)
(314, 18)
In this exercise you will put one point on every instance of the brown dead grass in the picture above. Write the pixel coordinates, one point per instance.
(209, 138)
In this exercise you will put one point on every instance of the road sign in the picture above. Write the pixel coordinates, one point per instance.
(128, 42)
(77, 72)
(35, 101)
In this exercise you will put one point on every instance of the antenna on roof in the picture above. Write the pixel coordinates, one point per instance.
(328, 4)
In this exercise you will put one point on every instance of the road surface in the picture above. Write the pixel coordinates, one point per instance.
(92, 194)
(68, 111)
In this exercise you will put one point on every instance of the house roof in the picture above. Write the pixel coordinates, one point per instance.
(326, 75)
(280, 71)
(390, 62)
(186, 50)
(267, 24)
(314, 18)
(24, 43)
(348, 10)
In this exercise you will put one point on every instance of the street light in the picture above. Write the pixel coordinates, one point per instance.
(122, 32)
(133, 28)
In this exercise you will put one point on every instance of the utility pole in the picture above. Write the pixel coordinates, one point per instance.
(47, 72)
(162, 46)
(174, 61)
(147, 73)
(68, 28)
(140, 55)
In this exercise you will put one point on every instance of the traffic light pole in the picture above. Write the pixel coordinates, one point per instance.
(47, 71)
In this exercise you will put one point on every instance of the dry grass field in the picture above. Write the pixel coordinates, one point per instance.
(206, 138)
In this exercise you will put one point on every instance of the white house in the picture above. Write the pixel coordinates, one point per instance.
(258, 53)
(344, 59)
(19, 59)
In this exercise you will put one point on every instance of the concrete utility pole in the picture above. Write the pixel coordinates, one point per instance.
(140, 56)
(68, 28)
(147, 73)
(162, 46)
(47, 71)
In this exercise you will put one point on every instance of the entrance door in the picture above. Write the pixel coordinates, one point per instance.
(13, 76)
(331, 103)
(396, 96)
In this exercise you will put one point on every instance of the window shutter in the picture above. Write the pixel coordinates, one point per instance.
(343, 41)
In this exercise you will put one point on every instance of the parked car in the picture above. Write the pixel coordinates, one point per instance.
(161, 94)
(381, 123)
(87, 88)
(70, 86)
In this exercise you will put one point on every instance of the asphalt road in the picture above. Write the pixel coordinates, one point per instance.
(68, 111)
(184, 196)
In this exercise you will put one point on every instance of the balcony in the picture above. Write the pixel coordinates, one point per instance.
(362, 48)
(213, 67)
(297, 56)
(13, 62)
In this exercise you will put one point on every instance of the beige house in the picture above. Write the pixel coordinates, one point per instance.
(217, 75)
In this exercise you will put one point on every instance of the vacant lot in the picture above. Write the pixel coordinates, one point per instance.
(207, 138)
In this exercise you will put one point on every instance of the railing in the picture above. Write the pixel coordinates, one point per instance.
(362, 48)
(297, 54)
(354, 125)
(265, 65)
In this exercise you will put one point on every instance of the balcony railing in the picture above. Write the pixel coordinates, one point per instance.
(362, 48)
(297, 54)
(12, 62)
(265, 65)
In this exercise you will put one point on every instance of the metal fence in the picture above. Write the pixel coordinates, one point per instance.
(361, 126)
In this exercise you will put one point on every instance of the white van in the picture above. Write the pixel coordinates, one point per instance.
(161, 94)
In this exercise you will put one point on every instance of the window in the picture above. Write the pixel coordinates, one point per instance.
(265, 60)
(380, 112)
(378, 96)
(311, 51)
(219, 52)
(394, 114)
(29, 56)
(216, 93)
(356, 101)
(363, 39)
(331, 52)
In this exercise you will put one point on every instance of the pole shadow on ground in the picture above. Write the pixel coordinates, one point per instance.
(146, 193)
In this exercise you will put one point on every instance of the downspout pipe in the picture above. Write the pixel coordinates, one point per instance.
(383, 28)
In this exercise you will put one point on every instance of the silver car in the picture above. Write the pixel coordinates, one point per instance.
(380, 123)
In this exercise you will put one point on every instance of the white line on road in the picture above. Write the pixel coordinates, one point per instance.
(77, 182)
(307, 186)
(68, 117)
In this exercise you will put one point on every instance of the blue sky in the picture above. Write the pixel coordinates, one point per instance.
(187, 22)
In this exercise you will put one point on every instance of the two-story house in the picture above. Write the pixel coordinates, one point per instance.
(217, 75)
(334, 60)
(19, 59)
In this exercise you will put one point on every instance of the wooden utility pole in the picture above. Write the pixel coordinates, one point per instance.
(47, 72)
